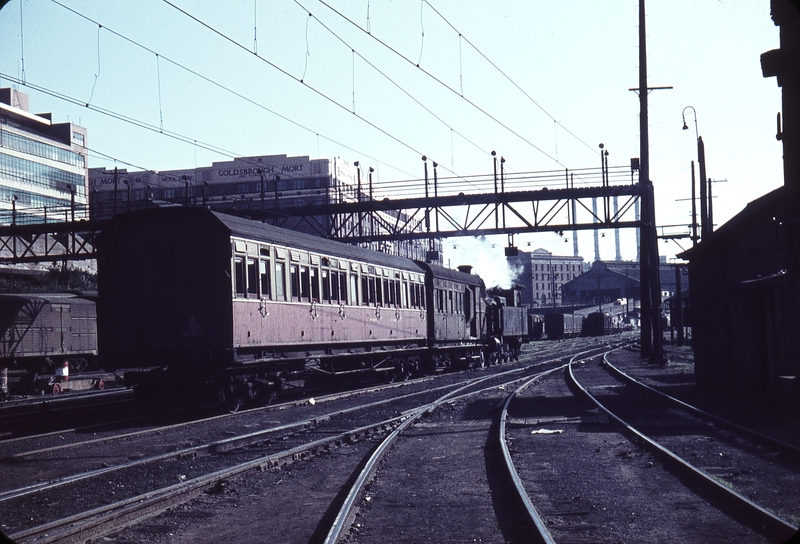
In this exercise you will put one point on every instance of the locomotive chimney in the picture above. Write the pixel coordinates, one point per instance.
(465, 268)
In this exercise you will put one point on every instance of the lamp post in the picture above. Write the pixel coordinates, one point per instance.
(263, 195)
(116, 179)
(371, 213)
(705, 228)
(358, 196)
(185, 179)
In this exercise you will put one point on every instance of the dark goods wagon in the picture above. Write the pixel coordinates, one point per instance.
(43, 332)
(535, 326)
(560, 326)
(193, 303)
(597, 324)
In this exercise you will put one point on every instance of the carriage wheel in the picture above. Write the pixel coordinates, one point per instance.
(228, 399)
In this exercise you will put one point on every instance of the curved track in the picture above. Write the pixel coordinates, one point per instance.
(667, 432)
(142, 466)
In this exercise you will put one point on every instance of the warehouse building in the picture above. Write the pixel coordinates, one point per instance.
(254, 185)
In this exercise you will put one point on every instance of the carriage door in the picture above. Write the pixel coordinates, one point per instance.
(62, 320)
(468, 314)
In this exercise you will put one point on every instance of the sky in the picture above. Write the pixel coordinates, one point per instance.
(168, 85)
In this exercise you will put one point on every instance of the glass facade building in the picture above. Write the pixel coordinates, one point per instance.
(43, 165)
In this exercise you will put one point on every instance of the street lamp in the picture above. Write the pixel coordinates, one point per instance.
(705, 228)
(185, 179)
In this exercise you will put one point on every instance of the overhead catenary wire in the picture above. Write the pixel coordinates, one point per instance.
(355, 53)
(507, 77)
(287, 74)
(443, 84)
(218, 85)
(138, 123)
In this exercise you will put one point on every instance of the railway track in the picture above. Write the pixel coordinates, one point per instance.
(646, 489)
(35, 414)
(411, 462)
(139, 476)
(729, 462)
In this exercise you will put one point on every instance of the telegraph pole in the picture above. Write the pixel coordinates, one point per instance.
(650, 288)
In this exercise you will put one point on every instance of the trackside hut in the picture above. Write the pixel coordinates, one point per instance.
(742, 314)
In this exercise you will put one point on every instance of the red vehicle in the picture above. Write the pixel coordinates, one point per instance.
(196, 302)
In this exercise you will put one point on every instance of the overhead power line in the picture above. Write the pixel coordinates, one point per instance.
(220, 86)
(445, 85)
(300, 81)
(501, 72)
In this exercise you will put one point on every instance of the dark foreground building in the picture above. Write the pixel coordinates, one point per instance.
(739, 311)
(745, 278)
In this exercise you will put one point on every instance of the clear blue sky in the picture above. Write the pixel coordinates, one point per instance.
(574, 60)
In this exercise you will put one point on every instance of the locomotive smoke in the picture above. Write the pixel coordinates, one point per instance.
(487, 259)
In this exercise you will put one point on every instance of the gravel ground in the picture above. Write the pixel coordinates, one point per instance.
(677, 379)
(281, 505)
(433, 485)
(440, 483)
(590, 484)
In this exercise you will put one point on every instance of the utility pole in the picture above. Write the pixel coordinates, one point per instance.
(701, 158)
(650, 288)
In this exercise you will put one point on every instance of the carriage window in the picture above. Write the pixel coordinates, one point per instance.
(240, 279)
(295, 281)
(265, 279)
(335, 283)
(252, 277)
(353, 290)
(314, 284)
(396, 300)
(343, 287)
(365, 290)
(371, 300)
(305, 282)
(326, 286)
(280, 281)
(334, 287)
(378, 292)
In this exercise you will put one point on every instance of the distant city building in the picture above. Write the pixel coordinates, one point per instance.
(542, 275)
(43, 165)
(254, 184)
(608, 281)
(605, 282)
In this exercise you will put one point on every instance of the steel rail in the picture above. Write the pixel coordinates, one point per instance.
(212, 447)
(345, 514)
(81, 526)
(697, 411)
(761, 519)
(533, 516)
(105, 519)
